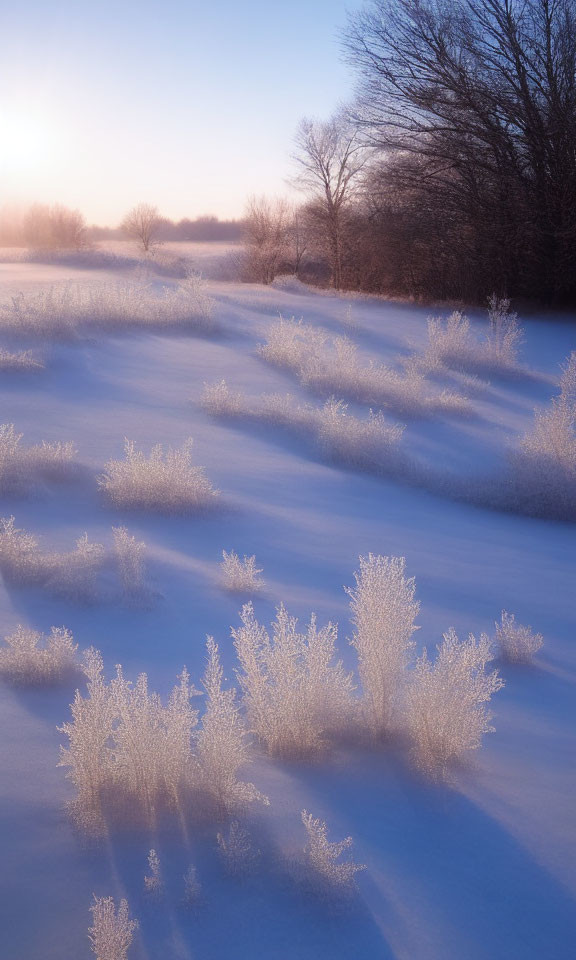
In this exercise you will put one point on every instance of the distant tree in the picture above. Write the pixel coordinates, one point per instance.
(143, 224)
(266, 226)
(330, 158)
(54, 227)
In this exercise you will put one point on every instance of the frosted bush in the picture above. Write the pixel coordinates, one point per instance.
(370, 444)
(543, 465)
(131, 756)
(153, 882)
(221, 744)
(20, 557)
(516, 643)
(20, 466)
(446, 707)
(112, 930)
(219, 401)
(295, 694)
(568, 380)
(240, 576)
(21, 360)
(62, 311)
(451, 342)
(504, 334)
(163, 480)
(326, 871)
(236, 850)
(129, 553)
(30, 657)
(383, 611)
(74, 575)
(330, 364)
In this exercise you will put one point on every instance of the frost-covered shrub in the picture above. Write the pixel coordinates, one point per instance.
(383, 611)
(63, 311)
(325, 870)
(240, 576)
(295, 694)
(20, 360)
(236, 849)
(130, 756)
(20, 466)
(370, 444)
(568, 379)
(452, 343)
(153, 882)
(30, 657)
(504, 335)
(75, 574)
(129, 553)
(446, 708)
(543, 465)
(221, 744)
(219, 401)
(20, 557)
(449, 341)
(112, 930)
(72, 575)
(163, 480)
(331, 365)
(516, 642)
(364, 443)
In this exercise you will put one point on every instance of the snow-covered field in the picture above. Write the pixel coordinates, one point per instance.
(478, 868)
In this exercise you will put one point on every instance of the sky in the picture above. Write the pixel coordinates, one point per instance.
(190, 106)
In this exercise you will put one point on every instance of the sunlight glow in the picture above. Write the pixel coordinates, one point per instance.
(28, 139)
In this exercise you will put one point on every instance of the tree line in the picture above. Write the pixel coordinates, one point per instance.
(453, 174)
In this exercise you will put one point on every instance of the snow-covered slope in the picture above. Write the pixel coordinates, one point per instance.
(482, 869)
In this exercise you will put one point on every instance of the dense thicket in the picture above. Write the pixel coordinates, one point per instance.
(470, 108)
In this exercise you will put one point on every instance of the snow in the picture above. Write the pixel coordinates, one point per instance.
(483, 869)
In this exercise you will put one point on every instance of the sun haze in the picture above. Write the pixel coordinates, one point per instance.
(191, 106)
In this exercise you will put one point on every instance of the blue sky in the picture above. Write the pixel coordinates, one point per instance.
(191, 106)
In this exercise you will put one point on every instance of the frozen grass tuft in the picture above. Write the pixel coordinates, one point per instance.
(240, 576)
(21, 466)
(112, 931)
(516, 643)
(165, 481)
(31, 658)
(129, 554)
(192, 887)
(296, 695)
(451, 342)
(21, 561)
(383, 611)
(74, 575)
(330, 365)
(20, 361)
(64, 311)
(326, 872)
(543, 465)
(446, 708)
(369, 443)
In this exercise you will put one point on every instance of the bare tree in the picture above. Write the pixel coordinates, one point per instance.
(142, 223)
(266, 227)
(475, 104)
(56, 226)
(330, 158)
